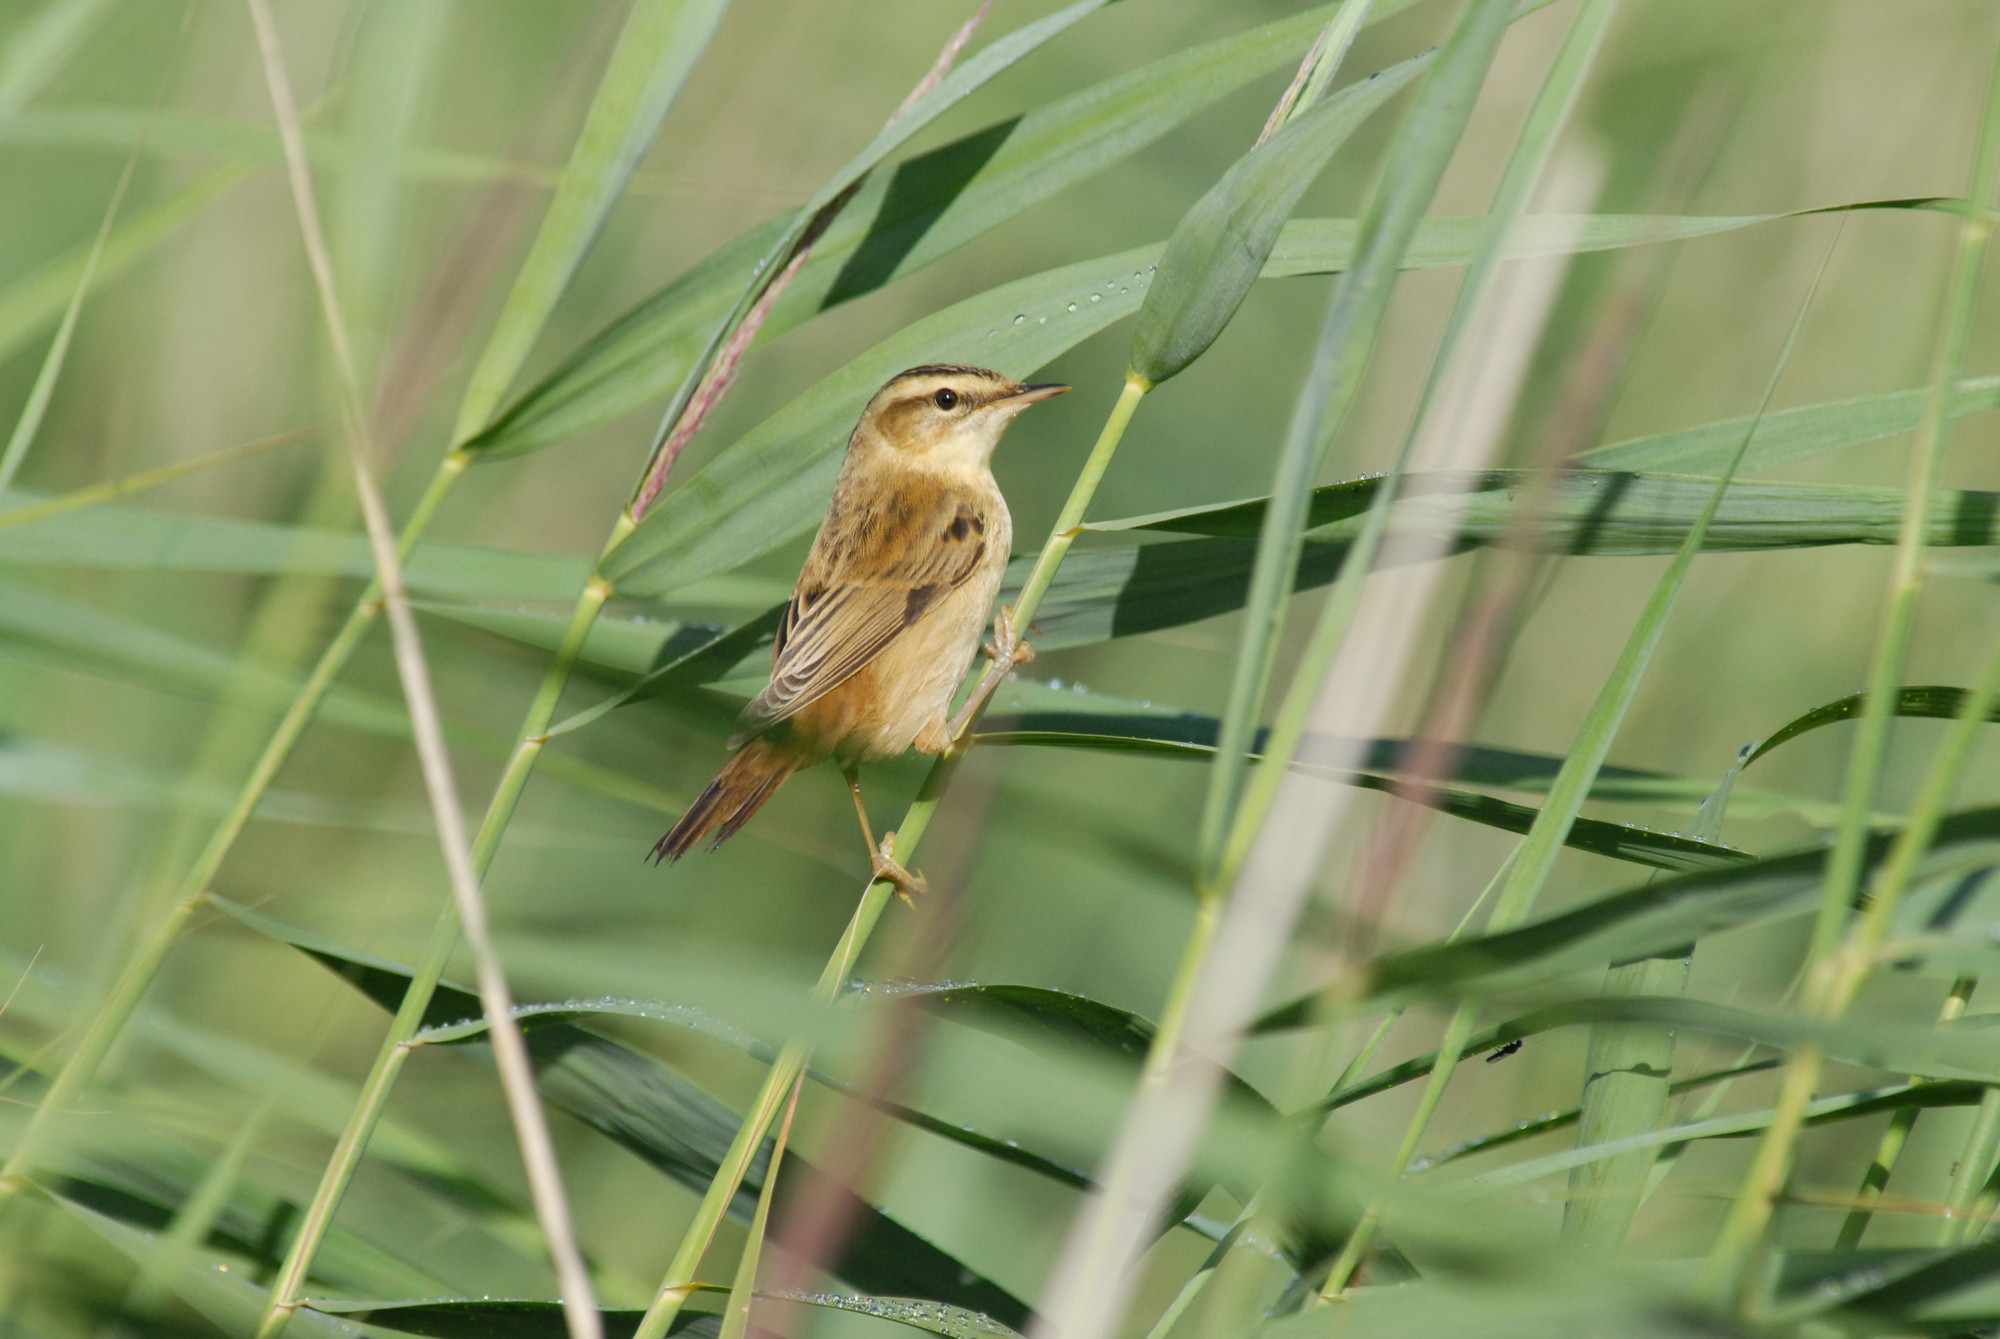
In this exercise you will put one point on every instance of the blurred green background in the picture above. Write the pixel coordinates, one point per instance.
(1057, 869)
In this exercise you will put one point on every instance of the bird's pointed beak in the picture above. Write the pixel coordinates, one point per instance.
(1028, 395)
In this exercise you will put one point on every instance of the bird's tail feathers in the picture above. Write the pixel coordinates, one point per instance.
(749, 779)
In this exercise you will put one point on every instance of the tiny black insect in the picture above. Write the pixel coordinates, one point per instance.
(1505, 1051)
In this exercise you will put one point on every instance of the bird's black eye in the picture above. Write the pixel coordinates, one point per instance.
(945, 398)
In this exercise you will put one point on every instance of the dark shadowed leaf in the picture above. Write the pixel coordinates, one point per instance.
(680, 1129)
(1620, 841)
(1929, 701)
(898, 222)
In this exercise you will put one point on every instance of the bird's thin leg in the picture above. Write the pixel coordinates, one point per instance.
(1006, 651)
(881, 859)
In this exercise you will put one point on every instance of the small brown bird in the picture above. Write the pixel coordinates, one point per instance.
(887, 613)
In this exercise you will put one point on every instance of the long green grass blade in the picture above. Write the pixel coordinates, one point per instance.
(37, 300)
(1607, 713)
(1626, 1087)
(897, 223)
(41, 47)
(1937, 702)
(656, 51)
(665, 1119)
(1619, 841)
(1649, 919)
(772, 484)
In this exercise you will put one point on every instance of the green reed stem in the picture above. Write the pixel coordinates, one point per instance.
(1833, 972)
(1229, 1312)
(1968, 1178)
(743, 1290)
(1449, 1051)
(397, 1043)
(679, 1280)
(81, 1068)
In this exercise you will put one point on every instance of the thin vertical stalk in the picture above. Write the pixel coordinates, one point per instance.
(397, 1043)
(517, 1078)
(39, 395)
(533, 737)
(1536, 854)
(139, 972)
(679, 1279)
(1906, 577)
(197, 1214)
(1968, 1178)
(1833, 975)
(80, 1068)
(1346, 343)
(1239, 872)
(1628, 1069)
(743, 1289)
(1449, 1051)
(1310, 1086)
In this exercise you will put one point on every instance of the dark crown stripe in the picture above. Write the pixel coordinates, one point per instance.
(945, 370)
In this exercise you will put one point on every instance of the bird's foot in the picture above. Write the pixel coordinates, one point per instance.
(1007, 649)
(882, 859)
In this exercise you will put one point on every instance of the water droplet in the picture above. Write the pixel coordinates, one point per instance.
(1056, 684)
(1072, 306)
(1097, 297)
(1020, 320)
(1121, 288)
(1043, 321)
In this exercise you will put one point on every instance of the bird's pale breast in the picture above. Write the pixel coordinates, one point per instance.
(879, 711)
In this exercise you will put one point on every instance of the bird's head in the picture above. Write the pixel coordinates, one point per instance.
(943, 416)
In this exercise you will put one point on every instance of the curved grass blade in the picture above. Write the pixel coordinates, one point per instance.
(122, 537)
(657, 50)
(1927, 701)
(501, 1318)
(659, 1115)
(489, 1318)
(897, 223)
(700, 1020)
(1649, 919)
(37, 300)
(786, 237)
(93, 495)
(1122, 592)
(227, 1300)
(40, 48)
(1790, 434)
(771, 484)
(1820, 1111)
(1607, 513)
(1619, 841)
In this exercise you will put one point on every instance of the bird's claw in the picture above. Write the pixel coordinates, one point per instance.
(886, 866)
(1007, 649)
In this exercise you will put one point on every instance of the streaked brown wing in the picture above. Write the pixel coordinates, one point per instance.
(883, 569)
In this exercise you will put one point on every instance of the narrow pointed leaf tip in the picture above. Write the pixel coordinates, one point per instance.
(1219, 247)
